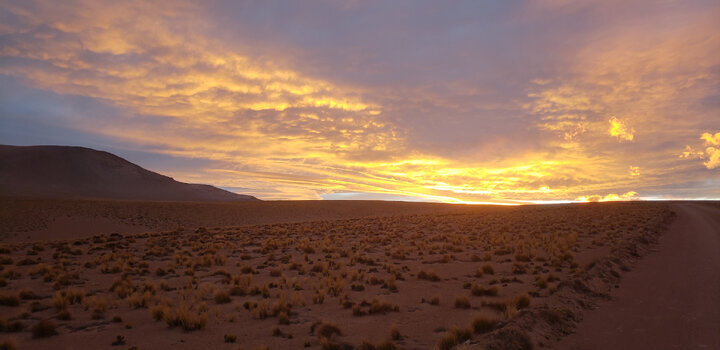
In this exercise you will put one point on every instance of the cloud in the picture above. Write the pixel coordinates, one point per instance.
(492, 102)
(634, 171)
(710, 139)
(619, 129)
(711, 154)
(609, 198)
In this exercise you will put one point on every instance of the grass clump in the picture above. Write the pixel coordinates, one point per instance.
(325, 330)
(9, 300)
(477, 290)
(454, 337)
(186, 317)
(381, 307)
(222, 297)
(428, 276)
(483, 324)
(522, 301)
(462, 302)
(44, 329)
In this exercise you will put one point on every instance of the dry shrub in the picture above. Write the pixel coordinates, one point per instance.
(44, 329)
(123, 287)
(222, 297)
(64, 315)
(394, 332)
(381, 307)
(462, 302)
(477, 290)
(522, 301)
(325, 330)
(454, 337)
(187, 317)
(9, 300)
(483, 324)
(159, 311)
(428, 276)
(139, 300)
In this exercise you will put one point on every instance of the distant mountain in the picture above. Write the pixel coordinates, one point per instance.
(78, 172)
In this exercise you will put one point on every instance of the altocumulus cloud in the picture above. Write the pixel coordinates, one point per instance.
(491, 102)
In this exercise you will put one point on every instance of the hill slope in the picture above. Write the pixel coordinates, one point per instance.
(78, 172)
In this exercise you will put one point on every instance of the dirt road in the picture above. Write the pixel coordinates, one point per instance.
(671, 299)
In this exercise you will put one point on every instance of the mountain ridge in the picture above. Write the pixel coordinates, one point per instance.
(80, 172)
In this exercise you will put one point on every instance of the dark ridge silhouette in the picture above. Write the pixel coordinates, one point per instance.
(78, 172)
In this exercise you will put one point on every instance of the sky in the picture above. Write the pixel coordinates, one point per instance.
(505, 102)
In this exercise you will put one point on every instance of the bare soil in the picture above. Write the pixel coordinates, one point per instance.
(671, 300)
(403, 275)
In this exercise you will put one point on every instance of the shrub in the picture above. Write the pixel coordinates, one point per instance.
(488, 269)
(428, 276)
(541, 282)
(283, 317)
(483, 324)
(139, 300)
(123, 287)
(357, 310)
(9, 300)
(222, 297)
(28, 295)
(158, 312)
(462, 302)
(64, 315)
(519, 268)
(522, 301)
(44, 329)
(382, 307)
(394, 333)
(453, 337)
(186, 317)
(326, 330)
(477, 290)
(230, 338)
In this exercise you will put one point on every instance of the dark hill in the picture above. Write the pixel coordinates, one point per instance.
(78, 172)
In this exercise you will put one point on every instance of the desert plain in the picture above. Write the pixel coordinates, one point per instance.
(80, 274)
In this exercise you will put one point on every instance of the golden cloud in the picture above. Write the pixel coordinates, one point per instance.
(284, 134)
(619, 129)
(609, 198)
(711, 154)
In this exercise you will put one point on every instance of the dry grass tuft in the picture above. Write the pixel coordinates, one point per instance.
(44, 329)
(462, 302)
(454, 337)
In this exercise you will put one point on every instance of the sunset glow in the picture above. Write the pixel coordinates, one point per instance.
(486, 102)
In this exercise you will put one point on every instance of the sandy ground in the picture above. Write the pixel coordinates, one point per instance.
(671, 299)
(26, 220)
(271, 285)
(630, 290)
